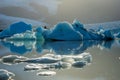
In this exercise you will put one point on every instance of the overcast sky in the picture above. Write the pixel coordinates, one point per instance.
(53, 11)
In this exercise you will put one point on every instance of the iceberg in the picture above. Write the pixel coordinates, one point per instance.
(64, 31)
(15, 28)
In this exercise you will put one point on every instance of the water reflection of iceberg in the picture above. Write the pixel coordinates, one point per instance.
(58, 47)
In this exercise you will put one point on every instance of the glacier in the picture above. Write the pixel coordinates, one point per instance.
(63, 31)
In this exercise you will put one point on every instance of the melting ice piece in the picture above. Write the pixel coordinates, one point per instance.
(46, 73)
(10, 59)
(6, 75)
(31, 67)
(59, 65)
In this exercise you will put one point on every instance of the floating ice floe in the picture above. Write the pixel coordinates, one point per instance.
(6, 75)
(46, 73)
(52, 66)
(11, 59)
(72, 58)
(41, 60)
(31, 67)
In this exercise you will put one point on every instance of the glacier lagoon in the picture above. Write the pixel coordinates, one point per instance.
(66, 60)
(44, 54)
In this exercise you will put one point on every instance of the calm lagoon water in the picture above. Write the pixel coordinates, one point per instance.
(104, 62)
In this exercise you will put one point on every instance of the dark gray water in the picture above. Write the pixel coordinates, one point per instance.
(102, 64)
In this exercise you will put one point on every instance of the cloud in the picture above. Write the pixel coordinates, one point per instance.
(51, 5)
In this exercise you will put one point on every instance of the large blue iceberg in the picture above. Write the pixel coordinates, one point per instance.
(74, 32)
(15, 28)
(63, 31)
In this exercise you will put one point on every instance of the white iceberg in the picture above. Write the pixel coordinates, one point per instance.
(46, 73)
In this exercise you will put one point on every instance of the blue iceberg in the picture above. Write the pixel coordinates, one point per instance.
(64, 31)
(15, 28)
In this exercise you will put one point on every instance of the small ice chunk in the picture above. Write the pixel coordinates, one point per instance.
(46, 73)
(79, 64)
(10, 59)
(67, 59)
(6, 75)
(31, 67)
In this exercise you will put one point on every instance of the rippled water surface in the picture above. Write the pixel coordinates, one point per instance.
(77, 60)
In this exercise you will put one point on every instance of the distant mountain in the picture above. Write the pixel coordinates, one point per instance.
(105, 25)
(5, 21)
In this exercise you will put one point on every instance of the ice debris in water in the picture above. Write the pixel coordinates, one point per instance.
(6, 75)
(53, 62)
(46, 73)
(71, 58)
(11, 59)
(52, 66)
